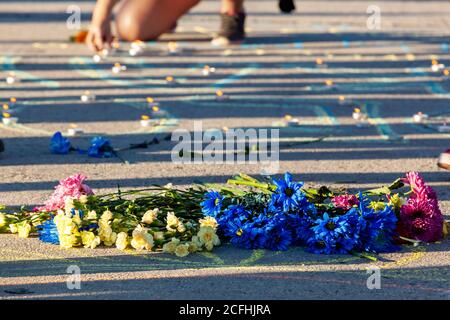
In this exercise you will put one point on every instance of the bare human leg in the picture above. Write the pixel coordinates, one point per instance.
(148, 19)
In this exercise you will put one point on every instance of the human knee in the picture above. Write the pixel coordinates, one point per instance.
(129, 28)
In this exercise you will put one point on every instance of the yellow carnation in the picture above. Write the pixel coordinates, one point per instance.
(208, 222)
(171, 246)
(92, 215)
(3, 220)
(181, 228)
(109, 241)
(207, 235)
(158, 235)
(89, 239)
(172, 221)
(83, 199)
(13, 228)
(122, 241)
(182, 250)
(67, 241)
(107, 215)
(142, 239)
(68, 205)
(150, 216)
(24, 229)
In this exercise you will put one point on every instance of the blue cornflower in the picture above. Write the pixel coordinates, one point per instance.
(301, 226)
(249, 234)
(59, 144)
(330, 227)
(332, 235)
(100, 148)
(376, 229)
(288, 194)
(278, 238)
(212, 204)
(319, 246)
(48, 232)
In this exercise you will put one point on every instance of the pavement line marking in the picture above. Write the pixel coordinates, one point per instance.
(8, 64)
(383, 128)
(234, 77)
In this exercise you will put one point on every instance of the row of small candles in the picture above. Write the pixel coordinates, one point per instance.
(7, 119)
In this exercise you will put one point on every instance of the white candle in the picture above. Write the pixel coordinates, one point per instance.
(11, 78)
(294, 122)
(97, 58)
(357, 114)
(87, 97)
(419, 117)
(10, 120)
(145, 121)
(74, 131)
(437, 67)
(207, 70)
(117, 68)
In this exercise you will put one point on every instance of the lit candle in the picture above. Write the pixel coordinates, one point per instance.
(87, 96)
(104, 53)
(357, 114)
(225, 129)
(320, 63)
(436, 66)
(207, 70)
(287, 117)
(74, 130)
(341, 100)
(221, 96)
(170, 80)
(5, 107)
(420, 117)
(329, 83)
(145, 121)
(12, 100)
(11, 78)
(156, 111)
(137, 47)
(446, 73)
(172, 46)
(97, 58)
(293, 122)
(117, 68)
(8, 120)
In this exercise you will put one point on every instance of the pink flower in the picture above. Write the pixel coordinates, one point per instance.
(419, 187)
(345, 201)
(72, 187)
(421, 218)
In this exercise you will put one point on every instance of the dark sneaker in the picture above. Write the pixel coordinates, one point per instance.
(444, 160)
(232, 29)
(2, 146)
(286, 6)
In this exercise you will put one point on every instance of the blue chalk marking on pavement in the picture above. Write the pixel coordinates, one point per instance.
(234, 77)
(383, 128)
(346, 43)
(298, 45)
(444, 47)
(8, 64)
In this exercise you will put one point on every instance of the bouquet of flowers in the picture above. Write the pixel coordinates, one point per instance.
(252, 214)
(283, 213)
